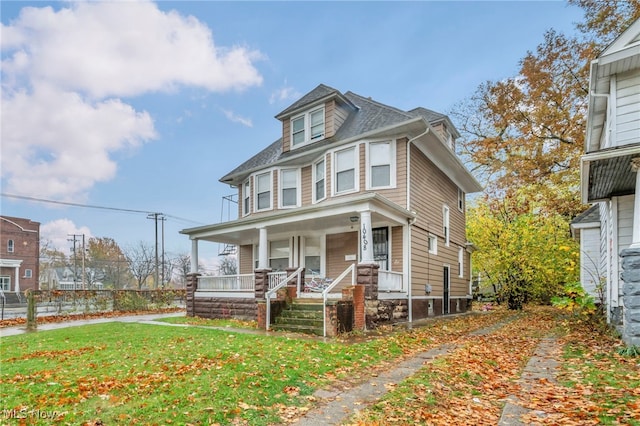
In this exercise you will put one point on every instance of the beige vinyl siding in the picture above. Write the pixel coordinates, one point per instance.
(628, 108)
(245, 263)
(396, 249)
(362, 152)
(431, 189)
(329, 121)
(398, 194)
(307, 184)
(286, 135)
(335, 114)
(337, 247)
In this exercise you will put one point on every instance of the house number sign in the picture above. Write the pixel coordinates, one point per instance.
(364, 238)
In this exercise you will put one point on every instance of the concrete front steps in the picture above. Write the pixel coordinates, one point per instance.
(301, 317)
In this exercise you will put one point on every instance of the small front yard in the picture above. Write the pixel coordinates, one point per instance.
(128, 373)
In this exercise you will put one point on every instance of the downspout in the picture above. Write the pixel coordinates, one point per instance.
(410, 222)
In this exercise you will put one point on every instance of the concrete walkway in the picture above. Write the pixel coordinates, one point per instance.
(21, 329)
(543, 365)
(338, 406)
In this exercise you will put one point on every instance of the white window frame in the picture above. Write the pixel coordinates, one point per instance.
(281, 189)
(334, 170)
(314, 179)
(246, 197)
(255, 191)
(306, 130)
(28, 273)
(461, 200)
(391, 163)
(434, 248)
(446, 225)
(5, 283)
(11, 246)
(461, 262)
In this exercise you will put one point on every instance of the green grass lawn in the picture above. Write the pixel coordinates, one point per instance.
(139, 373)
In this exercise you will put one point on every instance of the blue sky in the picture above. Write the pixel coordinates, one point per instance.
(143, 106)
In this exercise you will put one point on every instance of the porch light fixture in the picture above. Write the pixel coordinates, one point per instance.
(354, 219)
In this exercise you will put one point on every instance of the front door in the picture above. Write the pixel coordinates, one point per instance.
(381, 247)
(445, 293)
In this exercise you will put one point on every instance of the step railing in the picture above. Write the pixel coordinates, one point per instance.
(269, 294)
(335, 283)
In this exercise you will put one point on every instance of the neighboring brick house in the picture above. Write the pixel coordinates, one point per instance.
(350, 181)
(611, 178)
(19, 254)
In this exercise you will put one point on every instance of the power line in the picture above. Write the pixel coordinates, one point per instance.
(90, 206)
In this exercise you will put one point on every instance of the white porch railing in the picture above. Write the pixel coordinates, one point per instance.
(390, 281)
(269, 294)
(276, 278)
(244, 282)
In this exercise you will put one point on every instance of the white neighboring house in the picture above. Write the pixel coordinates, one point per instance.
(63, 279)
(610, 177)
(587, 227)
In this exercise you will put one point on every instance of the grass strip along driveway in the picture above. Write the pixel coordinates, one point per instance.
(131, 373)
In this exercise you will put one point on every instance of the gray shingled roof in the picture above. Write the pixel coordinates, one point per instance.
(322, 91)
(592, 214)
(369, 116)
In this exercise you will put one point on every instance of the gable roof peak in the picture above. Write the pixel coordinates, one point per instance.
(322, 91)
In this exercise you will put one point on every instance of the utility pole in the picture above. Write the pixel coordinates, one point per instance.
(84, 287)
(156, 217)
(163, 264)
(75, 260)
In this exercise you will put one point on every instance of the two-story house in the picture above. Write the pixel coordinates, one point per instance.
(610, 238)
(351, 181)
(19, 254)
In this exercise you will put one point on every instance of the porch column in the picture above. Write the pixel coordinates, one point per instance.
(194, 256)
(262, 249)
(366, 239)
(635, 236)
(16, 287)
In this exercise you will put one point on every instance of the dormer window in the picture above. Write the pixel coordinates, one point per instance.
(307, 127)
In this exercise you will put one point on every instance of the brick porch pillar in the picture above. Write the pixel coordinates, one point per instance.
(261, 287)
(359, 322)
(191, 287)
(292, 286)
(261, 282)
(631, 295)
(368, 277)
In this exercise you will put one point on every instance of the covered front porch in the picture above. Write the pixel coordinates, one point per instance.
(323, 241)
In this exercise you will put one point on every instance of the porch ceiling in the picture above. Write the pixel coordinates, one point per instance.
(609, 175)
(325, 217)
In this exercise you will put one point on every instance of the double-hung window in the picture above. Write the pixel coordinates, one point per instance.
(381, 165)
(246, 198)
(345, 170)
(307, 127)
(263, 191)
(319, 180)
(460, 262)
(5, 283)
(445, 224)
(10, 246)
(460, 200)
(432, 244)
(289, 188)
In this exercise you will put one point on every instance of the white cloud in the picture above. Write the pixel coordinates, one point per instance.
(60, 231)
(55, 144)
(231, 116)
(122, 49)
(286, 93)
(62, 74)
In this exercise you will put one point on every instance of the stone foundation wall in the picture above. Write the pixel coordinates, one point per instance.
(211, 307)
(631, 291)
(381, 312)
